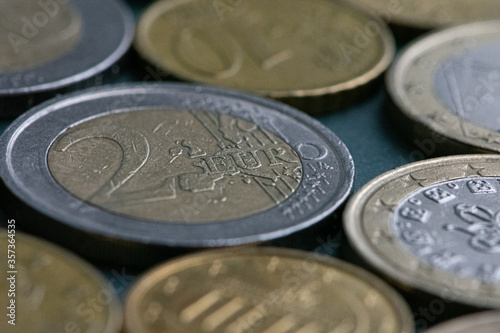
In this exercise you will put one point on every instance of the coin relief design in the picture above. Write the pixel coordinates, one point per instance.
(33, 33)
(256, 292)
(454, 226)
(310, 48)
(205, 165)
(56, 291)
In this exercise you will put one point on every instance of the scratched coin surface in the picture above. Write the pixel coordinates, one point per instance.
(434, 226)
(175, 165)
(486, 322)
(430, 14)
(49, 47)
(55, 291)
(449, 83)
(303, 52)
(265, 290)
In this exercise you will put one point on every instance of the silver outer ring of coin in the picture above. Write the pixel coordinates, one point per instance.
(423, 123)
(26, 175)
(411, 271)
(469, 323)
(107, 33)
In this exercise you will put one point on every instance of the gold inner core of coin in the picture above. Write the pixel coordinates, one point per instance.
(260, 294)
(51, 290)
(260, 45)
(33, 33)
(175, 165)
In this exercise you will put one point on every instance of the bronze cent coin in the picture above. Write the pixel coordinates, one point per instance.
(313, 54)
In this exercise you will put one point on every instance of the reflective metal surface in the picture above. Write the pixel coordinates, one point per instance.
(282, 49)
(138, 161)
(263, 290)
(432, 227)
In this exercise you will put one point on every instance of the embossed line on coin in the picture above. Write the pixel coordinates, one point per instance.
(33, 33)
(454, 226)
(175, 165)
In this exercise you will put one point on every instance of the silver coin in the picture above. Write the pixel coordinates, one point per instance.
(52, 46)
(454, 226)
(170, 166)
(433, 227)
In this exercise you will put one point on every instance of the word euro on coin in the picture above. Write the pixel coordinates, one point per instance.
(315, 54)
(486, 322)
(50, 46)
(48, 289)
(263, 290)
(173, 165)
(434, 226)
(448, 86)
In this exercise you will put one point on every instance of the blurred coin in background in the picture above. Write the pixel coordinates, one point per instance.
(316, 55)
(48, 47)
(53, 290)
(265, 290)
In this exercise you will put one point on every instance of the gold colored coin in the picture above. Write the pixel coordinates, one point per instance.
(487, 322)
(263, 290)
(33, 33)
(430, 14)
(293, 50)
(47, 290)
(434, 226)
(449, 84)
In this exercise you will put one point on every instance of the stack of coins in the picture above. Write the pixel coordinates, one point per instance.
(214, 177)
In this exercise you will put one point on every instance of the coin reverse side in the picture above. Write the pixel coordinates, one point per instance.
(161, 165)
(486, 322)
(430, 14)
(52, 47)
